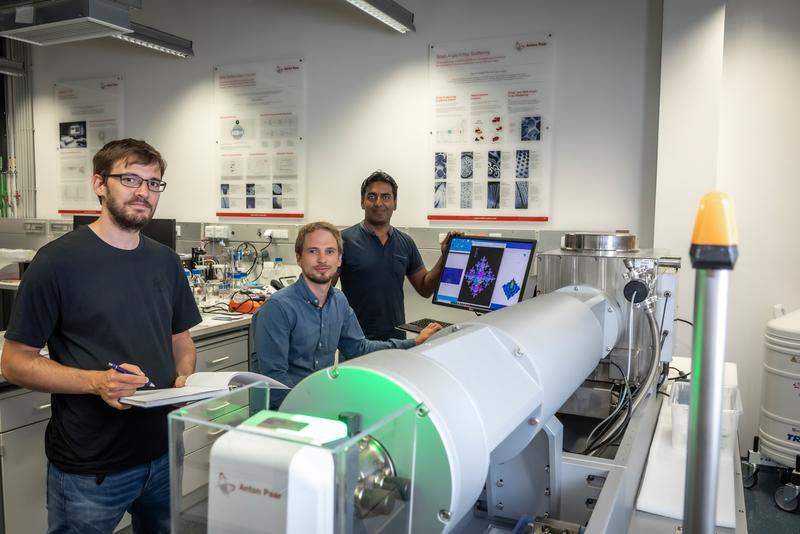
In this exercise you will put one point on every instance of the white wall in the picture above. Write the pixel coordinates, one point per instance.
(691, 85)
(758, 167)
(368, 104)
(729, 115)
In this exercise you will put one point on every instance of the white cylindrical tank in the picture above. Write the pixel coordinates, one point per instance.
(511, 368)
(779, 422)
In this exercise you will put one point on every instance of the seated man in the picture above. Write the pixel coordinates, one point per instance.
(299, 329)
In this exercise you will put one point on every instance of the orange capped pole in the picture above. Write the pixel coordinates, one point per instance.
(713, 254)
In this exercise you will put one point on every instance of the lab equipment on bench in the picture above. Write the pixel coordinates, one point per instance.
(460, 433)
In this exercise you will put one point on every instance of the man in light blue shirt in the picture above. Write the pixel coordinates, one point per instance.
(299, 329)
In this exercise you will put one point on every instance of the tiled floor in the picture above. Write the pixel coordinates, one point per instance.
(763, 516)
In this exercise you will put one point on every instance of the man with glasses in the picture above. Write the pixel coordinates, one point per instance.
(104, 294)
(378, 257)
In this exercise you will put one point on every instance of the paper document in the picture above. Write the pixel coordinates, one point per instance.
(198, 386)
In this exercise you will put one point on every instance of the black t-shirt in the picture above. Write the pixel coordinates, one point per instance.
(93, 304)
(372, 277)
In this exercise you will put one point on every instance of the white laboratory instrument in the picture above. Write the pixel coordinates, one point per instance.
(451, 429)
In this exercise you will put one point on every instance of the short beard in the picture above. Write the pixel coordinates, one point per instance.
(317, 279)
(127, 222)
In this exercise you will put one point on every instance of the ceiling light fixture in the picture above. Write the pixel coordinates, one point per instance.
(52, 22)
(157, 40)
(389, 12)
(11, 68)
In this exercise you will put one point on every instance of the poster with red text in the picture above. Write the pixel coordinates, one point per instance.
(260, 112)
(492, 128)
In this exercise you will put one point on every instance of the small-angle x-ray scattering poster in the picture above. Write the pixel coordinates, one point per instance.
(260, 113)
(492, 128)
(88, 115)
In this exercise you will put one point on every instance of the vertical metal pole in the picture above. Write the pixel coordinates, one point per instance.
(705, 416)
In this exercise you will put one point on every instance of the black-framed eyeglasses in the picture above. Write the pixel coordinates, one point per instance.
(134, 181)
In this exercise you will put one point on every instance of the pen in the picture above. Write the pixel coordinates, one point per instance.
(122, 370)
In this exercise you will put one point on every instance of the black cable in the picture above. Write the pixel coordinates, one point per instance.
(594, 445)
(243, 247)
(664, 374)
(219, 307)
(664, 311)
(261, 256)
(684, 321)
(681, 375)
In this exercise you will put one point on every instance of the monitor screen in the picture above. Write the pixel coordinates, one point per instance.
(483, 274)
(161, 230)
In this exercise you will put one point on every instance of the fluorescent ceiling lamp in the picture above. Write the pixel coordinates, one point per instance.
(157, 40)
(389, 12)
(51, 22)
(64, 31)
(11, 68)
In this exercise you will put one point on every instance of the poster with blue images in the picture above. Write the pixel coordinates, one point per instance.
(492, 128)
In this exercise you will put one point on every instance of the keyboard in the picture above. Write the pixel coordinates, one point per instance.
(418, 325)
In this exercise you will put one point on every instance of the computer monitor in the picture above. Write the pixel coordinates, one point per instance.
(483, 274)
(161, 230)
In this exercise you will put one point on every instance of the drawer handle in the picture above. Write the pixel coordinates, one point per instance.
(44, 407)
(221, 406)
(216, 432)
(219, 360)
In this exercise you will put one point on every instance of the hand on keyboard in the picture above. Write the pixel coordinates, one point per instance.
(427, 332)
(422, 323)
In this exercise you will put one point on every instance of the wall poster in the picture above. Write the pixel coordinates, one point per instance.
(88, 115)
(260, 112)
(491, 134)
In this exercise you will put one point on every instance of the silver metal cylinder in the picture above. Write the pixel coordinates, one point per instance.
(705, 414)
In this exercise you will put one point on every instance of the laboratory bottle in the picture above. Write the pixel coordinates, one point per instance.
(197, 285)
(277, 270)
(238, 280)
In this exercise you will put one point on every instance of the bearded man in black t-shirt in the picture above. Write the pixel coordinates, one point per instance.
(105, 294)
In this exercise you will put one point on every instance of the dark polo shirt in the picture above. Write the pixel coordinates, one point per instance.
(372, 277)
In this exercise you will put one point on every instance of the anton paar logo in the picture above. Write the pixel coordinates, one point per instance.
(227, 487)
(520, 46)
(224, 486)
(282, 68)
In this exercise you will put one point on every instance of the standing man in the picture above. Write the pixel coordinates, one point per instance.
(298, 330)
(105, 294)
(378, 257)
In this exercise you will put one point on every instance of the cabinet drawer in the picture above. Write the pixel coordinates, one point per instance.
(222, 354)
(198, 437)
(24, 409)
(195, 471)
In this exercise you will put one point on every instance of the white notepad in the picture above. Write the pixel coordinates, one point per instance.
(203, 385)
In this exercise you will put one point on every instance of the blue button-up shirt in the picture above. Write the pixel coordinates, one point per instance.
(295, 336)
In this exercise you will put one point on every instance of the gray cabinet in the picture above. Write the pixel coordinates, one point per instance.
(24, 479)
(23, 466)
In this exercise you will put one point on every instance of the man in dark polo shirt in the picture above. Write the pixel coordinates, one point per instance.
(378, 257)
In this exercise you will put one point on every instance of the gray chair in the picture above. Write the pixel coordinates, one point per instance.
(252, 363)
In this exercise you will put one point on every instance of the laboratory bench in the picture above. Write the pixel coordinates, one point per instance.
(222, 345)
